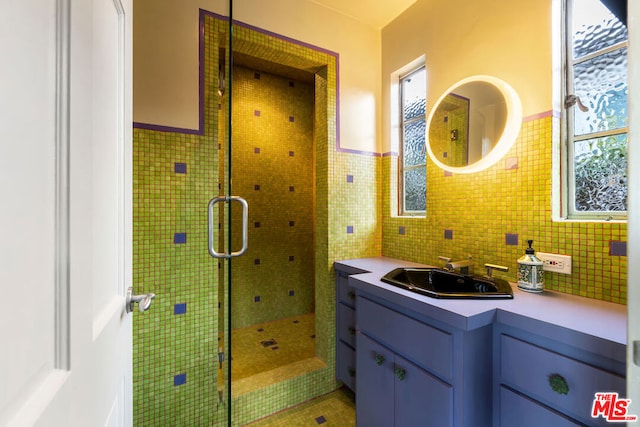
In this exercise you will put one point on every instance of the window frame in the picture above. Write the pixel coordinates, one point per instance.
(568, 137)
(402, 211)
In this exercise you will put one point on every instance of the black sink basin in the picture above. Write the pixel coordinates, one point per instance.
(438, 283)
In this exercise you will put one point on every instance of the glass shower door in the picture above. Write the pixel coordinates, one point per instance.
(227, 214)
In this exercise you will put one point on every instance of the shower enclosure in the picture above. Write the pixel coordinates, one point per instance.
(231, 232)
(261, 225)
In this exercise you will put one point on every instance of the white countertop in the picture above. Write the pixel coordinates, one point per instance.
(596, 318)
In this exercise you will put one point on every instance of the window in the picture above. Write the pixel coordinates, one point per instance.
(412, 156)
(595, 116)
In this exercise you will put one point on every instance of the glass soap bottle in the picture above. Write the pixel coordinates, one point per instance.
(530, 273)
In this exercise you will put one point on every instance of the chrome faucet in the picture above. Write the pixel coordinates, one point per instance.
(491, 267)
(464, 266)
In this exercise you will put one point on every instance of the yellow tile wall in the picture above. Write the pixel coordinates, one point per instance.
(273, 165)
(481, 208)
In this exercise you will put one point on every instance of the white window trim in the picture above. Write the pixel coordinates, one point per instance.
(564, 190)
(401, 169)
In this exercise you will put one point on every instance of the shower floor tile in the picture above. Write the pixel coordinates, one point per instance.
(334, 409)
(268, 346)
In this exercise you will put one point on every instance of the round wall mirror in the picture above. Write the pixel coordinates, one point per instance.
(473, 124)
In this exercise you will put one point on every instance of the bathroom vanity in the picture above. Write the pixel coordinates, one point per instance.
(537, 359)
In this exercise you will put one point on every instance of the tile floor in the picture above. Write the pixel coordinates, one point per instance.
(267, 346)
(272, 352)
(334, 409)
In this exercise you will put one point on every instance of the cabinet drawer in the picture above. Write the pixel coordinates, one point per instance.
(527, 367)
(347, 324)
(346, 368)
(518, 410)
(431, 348)
(346, 293)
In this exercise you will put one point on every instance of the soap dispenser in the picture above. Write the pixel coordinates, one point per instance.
(530, 273)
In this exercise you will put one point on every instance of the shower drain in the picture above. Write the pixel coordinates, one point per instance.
(269, 343)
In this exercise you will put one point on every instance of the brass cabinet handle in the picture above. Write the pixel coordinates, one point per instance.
(379, 359)
(400, 373)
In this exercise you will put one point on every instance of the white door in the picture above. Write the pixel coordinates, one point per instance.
(65, 212)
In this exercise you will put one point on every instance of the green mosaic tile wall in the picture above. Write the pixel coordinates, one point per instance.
(512, 197)
(175, 343)
(175, 175)
(273, 169)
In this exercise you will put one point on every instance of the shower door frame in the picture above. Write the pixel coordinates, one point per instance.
(253, 41)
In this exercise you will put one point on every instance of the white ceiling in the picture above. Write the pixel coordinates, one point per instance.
(376, 13)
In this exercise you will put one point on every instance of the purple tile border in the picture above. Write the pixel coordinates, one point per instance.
(201, 60)
(336, 55)
(550, 113)
(161, 128)
(200, 130)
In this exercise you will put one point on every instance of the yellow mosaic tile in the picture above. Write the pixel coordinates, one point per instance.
(481, 208)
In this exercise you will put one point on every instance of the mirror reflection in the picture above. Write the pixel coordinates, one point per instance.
(473, 124)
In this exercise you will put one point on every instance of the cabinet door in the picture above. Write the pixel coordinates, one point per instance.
(347, 324)
(374, 384)
(420, 398)
(346, 365)
(519, 410)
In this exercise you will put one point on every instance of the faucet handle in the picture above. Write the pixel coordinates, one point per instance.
(491, 267)
(444, 258)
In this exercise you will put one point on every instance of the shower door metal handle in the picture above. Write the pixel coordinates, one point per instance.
(245, 222)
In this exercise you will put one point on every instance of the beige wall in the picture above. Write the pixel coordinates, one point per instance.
(460, 38)
(166, 59)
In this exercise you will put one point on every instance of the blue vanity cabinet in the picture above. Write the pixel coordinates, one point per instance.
(415, 371)
(345, 331)
(395, 392)
(544, 381)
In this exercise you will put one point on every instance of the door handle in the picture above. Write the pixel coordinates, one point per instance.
(212, 226)
(143, 301)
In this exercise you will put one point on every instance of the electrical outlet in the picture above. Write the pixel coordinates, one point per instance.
(555, 263)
